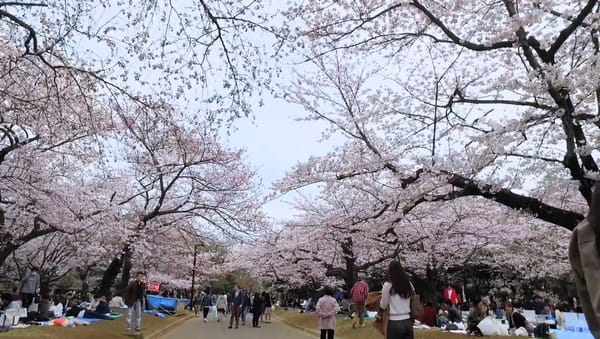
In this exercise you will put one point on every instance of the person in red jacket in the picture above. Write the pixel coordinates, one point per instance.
(450, 294)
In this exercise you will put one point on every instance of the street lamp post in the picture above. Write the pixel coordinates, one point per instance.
(194, 275)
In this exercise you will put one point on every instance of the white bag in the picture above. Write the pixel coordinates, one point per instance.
(522, 332)
(488, 327)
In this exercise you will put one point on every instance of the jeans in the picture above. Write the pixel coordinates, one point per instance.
(327, 334)
(400, 329)
(137, 308)
(244, 313)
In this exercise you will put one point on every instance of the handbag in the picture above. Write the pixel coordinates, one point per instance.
(416, 306)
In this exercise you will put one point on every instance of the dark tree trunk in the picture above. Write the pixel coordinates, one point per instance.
(351, 273)
(126, 272)
(113, 270)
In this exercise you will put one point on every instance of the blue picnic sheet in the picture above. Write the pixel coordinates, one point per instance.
(162, 303)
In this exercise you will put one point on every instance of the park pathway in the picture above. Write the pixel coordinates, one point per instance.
(196, 329)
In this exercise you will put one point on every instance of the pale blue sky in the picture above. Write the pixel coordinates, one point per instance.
(275, 142)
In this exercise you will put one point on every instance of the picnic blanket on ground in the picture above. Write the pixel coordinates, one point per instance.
(162, 303)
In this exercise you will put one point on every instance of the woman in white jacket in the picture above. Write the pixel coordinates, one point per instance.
(395, 295)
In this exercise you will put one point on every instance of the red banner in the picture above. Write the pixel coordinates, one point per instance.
(154, 286)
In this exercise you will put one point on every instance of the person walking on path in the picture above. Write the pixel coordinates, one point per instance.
(30, 287)
(257, 306)
(395, 296)
(206, 304)
(197, 304)
(135, 295)
(245, 306)
(358, 295)
(236, 303)
(267, 305)
(327, 309)
(221, 306)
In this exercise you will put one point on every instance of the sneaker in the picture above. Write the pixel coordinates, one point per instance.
(363, 325)
(229, 327)
(127, 329)
(205, 320)
(236, 327)
(138, 329)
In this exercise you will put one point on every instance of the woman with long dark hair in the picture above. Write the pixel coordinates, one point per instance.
(395, 295)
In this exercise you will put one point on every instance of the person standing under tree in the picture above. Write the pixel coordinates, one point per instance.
(327, 309)
(257, 306)
(135, 295)
(236, 303)
(206, 304)
(584, 255)
(267, 306)
(221, 306)
(245, 306)
(30, 287)
(358, 295)
(395, 295)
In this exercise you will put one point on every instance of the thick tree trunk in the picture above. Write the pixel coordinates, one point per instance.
(126, 272)
(351, 273)
(113, 270)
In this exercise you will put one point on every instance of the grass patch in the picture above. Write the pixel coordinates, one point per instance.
(344, 328)
(100, 330)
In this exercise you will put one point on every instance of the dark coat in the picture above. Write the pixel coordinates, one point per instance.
(131, 293)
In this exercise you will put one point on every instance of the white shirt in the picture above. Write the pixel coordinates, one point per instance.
(399, 307)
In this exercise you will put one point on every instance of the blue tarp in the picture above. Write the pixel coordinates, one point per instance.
(162, 303)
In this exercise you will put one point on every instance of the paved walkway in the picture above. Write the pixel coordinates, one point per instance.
(196, 329)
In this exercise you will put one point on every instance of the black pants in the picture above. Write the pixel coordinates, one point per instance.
(205, 312)
(27, 299)
(255, 318)
(400, 329)
(327, 334)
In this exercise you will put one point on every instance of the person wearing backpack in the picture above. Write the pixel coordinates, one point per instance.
(358, 295)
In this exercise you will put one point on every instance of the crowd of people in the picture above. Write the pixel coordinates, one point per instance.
(44, 305)
(236, 305)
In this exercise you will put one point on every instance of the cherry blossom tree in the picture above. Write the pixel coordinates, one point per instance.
(183, 178)
(48, 124)
(208, 55)
(497, 99)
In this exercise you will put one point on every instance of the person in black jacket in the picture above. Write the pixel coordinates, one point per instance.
(236, 303)
(245, 305)
(515, 319)
(257, 307)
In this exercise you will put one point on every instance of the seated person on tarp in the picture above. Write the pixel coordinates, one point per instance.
(80, 312)
(6, 299)
(116, 302)
(43, 312)
(516, 319)
(448, 313)
(480, 312)
(56, 307)
(15, 302)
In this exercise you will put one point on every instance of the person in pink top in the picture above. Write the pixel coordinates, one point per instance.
(327, 310)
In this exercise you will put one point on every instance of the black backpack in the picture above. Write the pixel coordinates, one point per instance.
(542, 331)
